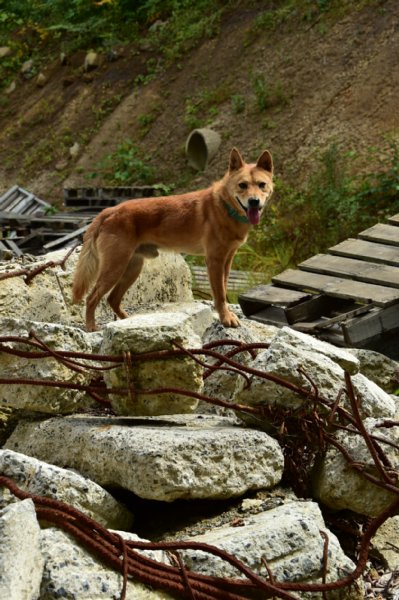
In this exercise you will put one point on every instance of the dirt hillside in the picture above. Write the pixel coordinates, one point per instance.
(294, 88)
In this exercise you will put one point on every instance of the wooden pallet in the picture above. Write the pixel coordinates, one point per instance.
(101, 197)
(349, 296)
(28, 225)
(238, 280)
(18, 201)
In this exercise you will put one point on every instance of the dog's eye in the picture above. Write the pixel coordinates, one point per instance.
(262, 185)
(243, 185)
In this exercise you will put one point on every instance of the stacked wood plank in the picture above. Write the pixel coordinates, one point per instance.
(349, 296)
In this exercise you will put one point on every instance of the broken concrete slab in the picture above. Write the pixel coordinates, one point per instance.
(377, 367)
(144, 333)
(21, 560)
(288, 537)
(41, 300)
(166, 458)
(42, 398)
(345, 359)
(43, 479)
(71, 571)
(340, 487)
(306, 368)
(201, 314)
(385, 543)
(222, 382)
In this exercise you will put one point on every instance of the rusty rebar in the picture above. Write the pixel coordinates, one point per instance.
(29, 274)
(302, 432)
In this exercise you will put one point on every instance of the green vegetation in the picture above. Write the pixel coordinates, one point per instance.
(126, 166)
(308, 11)
(34, 28)
(238, 103)
(203, 108)
(267, 94)
(332, 205)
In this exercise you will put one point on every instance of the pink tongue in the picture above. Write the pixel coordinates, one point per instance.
(253, 215)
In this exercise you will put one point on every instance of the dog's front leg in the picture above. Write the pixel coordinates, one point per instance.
(218, 269)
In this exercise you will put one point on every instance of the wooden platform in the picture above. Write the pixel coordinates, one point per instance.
(349, 296)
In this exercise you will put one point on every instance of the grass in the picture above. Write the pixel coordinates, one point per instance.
(309, 12)
(268, 94)
(204, 107)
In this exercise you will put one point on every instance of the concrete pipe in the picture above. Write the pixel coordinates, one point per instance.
(201, 147)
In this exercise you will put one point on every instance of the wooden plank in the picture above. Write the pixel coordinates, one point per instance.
(364, 250)
(312, 309)
(65, 238)
(386, 234)
(270, 294)
(30, 239)
(19, 198)
(4, 198)
(13, 216)
(334, 337)
(371, 326)
(358, 270)
(337, 287)
(394, 220)
(7, 198)
(25, 201)
(261, 296)
(12, 246)
(271, 315)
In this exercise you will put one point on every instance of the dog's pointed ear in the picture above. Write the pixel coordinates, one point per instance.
(236, 161)
(265, 161)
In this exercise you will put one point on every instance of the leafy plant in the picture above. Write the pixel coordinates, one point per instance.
(267, 94)
(238, 103)
(127, 165)
(270, 19)
(191, 117)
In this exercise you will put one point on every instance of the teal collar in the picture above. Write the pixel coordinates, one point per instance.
(234, 214)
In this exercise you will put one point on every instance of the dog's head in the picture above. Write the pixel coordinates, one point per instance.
(250, 185)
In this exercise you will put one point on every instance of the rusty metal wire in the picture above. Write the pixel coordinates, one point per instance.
(107, 546)
(304, 434)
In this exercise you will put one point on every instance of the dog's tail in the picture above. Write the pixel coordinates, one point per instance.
(87, 267)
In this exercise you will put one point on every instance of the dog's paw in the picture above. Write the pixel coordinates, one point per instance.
(230, 320)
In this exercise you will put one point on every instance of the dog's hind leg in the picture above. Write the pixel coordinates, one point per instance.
(111, 269)
(129, 276)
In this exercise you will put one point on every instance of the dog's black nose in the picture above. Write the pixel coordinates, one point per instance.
(253, 202)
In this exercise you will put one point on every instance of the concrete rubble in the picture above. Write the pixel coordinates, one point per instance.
(211, 457)
(171, 448)
(21, 559)
(45, 479)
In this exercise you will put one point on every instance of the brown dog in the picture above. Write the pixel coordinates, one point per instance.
(213, 222)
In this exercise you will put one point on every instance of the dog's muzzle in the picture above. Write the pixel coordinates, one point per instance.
(253, 210)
